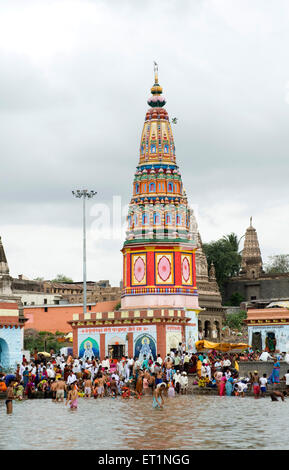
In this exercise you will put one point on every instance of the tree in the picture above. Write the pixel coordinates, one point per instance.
(235, 321)
(62, 278)
(225, 255)
(233, 241)
(43, 340)
(235, 299)
(40, 279)
(278, 264)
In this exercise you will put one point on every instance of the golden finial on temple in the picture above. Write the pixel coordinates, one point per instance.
(156, 70)
(156, 101)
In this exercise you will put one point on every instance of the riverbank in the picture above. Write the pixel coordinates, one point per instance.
(192, 390)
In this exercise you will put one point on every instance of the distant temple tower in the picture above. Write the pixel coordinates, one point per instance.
(159, 251)
(252, 265)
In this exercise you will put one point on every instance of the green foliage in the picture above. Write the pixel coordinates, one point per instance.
(235, 300)
(62, 278)
(42, 341)
(225, 255)
(278, 264)
(117, 307)
(235, 320)
(40, 279)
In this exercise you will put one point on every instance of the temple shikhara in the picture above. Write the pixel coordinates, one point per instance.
(159, 300)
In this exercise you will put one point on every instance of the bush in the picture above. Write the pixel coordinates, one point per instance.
(235, 321)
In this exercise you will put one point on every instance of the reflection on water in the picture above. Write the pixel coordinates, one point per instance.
(187, 422)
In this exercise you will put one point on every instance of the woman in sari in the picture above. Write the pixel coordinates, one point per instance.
(274, 377)
(222, 386)
(199, 367)
(229, 386)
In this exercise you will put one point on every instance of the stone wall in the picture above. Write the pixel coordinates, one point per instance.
(262, 367)
(276, 288)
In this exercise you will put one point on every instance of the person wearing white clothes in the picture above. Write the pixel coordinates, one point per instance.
(22, 369)
(226, 363)
(50, 371)
(184, 382)
(208, 370)
(159, 359)
(71, 378)
(76, 368)
(177, 381)
(265, 356)
(263, 384)
(126, 371)
(105, 363)
(227, 374)
(286, 376)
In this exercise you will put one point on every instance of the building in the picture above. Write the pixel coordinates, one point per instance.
(12, 319)
(55, 317)
(253, 284)
(159, 299)
(72, 292)
(268, 328)
(36, 292)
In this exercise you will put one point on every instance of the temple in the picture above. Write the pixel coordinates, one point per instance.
(211, 317)
(252, 265)
(256, 287)
(159, 300)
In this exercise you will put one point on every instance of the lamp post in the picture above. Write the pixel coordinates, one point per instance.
(85, 194)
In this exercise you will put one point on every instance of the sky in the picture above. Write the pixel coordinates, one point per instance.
(75, 76)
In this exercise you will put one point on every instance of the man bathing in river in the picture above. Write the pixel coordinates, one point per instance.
(10, 397)
(158, 400)
(276, 394)
(60, 388)
(72, 397)
(87, 388)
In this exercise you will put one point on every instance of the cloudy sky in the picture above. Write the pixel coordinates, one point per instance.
(75, 76)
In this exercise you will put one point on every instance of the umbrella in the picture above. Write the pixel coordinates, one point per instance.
(69, 337)
(44, 353)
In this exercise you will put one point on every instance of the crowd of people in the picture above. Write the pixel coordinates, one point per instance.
(66, 378)
(222, 372)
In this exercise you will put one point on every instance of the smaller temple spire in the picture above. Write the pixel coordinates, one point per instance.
(5, 279)
(212, 272)
(252, 265)
(4, 269)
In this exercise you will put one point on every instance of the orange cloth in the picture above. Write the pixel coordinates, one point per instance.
(200, 345)
(3, 387)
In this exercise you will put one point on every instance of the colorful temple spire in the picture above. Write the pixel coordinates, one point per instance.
(159, 213)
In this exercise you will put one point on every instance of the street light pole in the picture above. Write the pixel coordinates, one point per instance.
(84, 193)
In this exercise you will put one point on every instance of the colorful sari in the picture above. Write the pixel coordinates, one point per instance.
(222, 387)
(274, 377)
(229, 386)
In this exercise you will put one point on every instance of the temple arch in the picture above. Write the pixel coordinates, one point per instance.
(4, 354)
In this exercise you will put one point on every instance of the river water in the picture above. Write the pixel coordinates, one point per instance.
(186, 422)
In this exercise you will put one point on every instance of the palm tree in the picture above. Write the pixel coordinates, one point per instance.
(233, 241)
